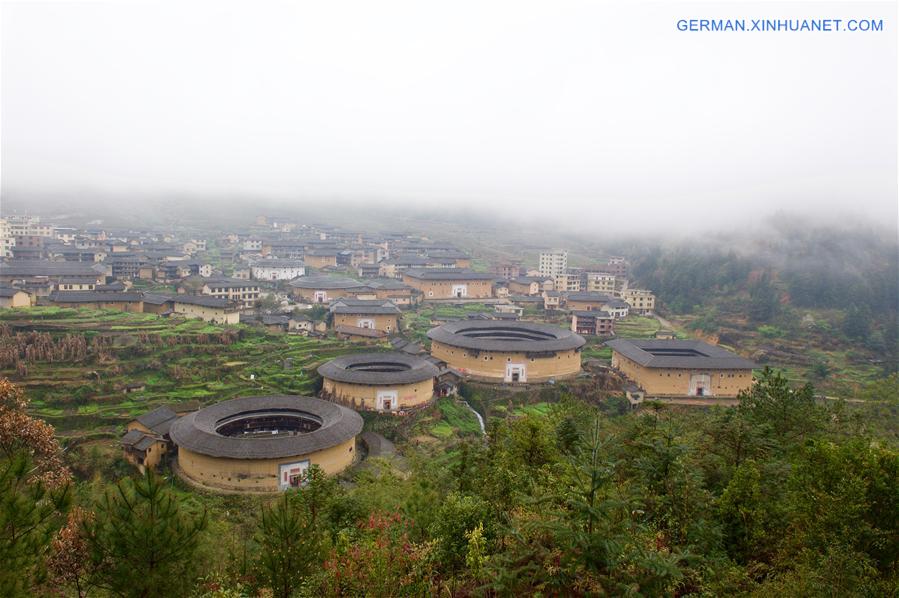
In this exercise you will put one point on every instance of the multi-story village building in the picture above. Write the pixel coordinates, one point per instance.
(508, 270)
(593, 323)
(641, 301)
(277, 269)
(243, 292)
(553, 263)
(617, 265)
(567, 283)
(601, 282)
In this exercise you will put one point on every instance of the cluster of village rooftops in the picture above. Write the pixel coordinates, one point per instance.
(319, 281)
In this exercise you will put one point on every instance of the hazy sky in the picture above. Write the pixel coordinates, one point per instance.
(597, 109)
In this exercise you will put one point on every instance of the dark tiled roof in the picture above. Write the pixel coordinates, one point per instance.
(197, 431)
(368, 308)
(146, 442)
(159, 420)
(378, 369)
(326, 283)
(591, 297)
(201, 300)
(663, 353)
(358, 331)
(598, 313)
(230, 283)
(272, 320)
(46, 268)
(132, 436)
(447, 274)
(493, 335)
(156, 298)
(94, 297)
(278, 263)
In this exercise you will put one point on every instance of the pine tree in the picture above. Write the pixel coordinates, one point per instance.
(290, 534)
(30, 513)
(142, 540)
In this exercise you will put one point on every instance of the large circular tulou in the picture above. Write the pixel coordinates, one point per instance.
(264, 444)
(379, 381)
(508, 352)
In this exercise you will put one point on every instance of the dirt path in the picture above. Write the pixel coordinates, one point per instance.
(665, 324)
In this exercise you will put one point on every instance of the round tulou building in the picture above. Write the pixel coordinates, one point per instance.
(516, 352)
(264, 444)
(379, 381)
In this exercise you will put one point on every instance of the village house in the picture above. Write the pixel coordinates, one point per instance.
(394, 267)
(48, 272)
(552, 300)
(127, 302)
(369, 314)
(567, 283)
(508, 270)
(641, 301)
(13, 297)
(666, 368)
(146, 442)
(597, 301)
(592, 323)
(601, 282)
(530, 285)
(617, 265)
(323, 288)
(450, 283)
(75, 284)
(244, 293)
(401, 294)
(209, 309)
(320, 258)
(508, 308)
(277, 269)
(368, 270)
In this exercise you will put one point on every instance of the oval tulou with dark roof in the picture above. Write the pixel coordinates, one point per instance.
(264, 444)
(511, 352)
(379, 381)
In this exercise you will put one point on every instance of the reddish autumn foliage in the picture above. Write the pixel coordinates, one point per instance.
(21, 432)
(381, 561)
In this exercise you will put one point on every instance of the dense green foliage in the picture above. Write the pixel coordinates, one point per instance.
(141, 541)
(779, 495)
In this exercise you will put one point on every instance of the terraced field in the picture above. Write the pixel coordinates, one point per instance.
(158, 359)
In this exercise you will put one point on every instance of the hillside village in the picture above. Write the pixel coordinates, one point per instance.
(249, 362)
(374, 292)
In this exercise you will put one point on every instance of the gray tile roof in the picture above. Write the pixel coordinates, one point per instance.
(159, 420)
(132, 436)
(589, 296)
(324, 282)
(378, 369)
(371, 308)
(683, 354)
(47, 268)
(494, 335)
(93, 297)
(197, 431)
(448, 274)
